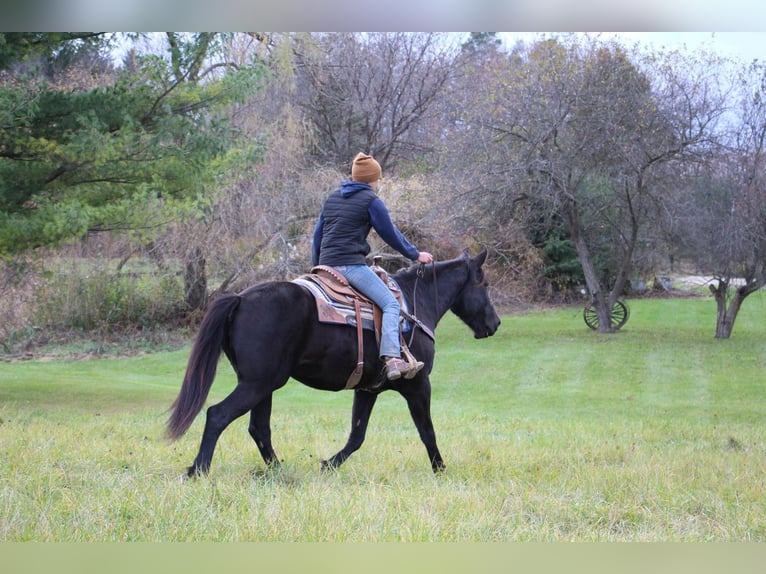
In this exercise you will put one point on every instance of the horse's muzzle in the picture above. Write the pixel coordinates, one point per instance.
(488, 331)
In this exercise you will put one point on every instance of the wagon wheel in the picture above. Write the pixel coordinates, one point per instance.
(620, 314)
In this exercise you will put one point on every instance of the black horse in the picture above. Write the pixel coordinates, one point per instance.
(270, 333)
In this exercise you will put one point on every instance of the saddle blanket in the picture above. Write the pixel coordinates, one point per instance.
(330, 310)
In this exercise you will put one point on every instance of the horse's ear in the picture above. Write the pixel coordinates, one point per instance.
(481, 258)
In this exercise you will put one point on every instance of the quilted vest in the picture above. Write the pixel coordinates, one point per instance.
(346, 226)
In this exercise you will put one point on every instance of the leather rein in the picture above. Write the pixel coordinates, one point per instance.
(412, 317)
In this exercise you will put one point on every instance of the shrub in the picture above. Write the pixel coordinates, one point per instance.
(98, 299)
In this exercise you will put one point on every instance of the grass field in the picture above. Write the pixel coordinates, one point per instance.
(550, 432)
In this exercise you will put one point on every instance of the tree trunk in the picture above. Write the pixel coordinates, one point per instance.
(602, 302)
(195, 281)
(728, 314)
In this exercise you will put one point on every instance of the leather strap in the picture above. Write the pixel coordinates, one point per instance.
(356, 374)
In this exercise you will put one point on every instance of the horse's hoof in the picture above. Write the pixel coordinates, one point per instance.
(195, 472)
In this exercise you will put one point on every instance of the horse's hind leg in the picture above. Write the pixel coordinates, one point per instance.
(260, 430)
(243, 398)
(360, 417)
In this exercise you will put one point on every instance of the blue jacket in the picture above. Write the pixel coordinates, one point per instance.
(348, 215)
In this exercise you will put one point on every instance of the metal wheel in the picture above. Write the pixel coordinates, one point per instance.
(620, 315)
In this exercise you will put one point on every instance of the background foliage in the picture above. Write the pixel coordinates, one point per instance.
(205, 157)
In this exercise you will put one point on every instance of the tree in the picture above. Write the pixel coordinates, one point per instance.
(258, 225)
(56, 49)
(370, 92)
(129, 153)
(577, 134)
(724, 212)
(481, 199)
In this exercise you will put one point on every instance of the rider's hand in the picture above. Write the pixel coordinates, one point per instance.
(425, 257)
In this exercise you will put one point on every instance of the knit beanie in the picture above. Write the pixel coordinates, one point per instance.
(365, 168)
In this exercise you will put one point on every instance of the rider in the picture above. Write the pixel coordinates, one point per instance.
(340, 241)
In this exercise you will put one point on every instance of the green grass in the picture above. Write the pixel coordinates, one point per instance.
(549, 431)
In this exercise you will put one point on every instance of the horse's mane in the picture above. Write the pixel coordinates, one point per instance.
(406, 272)
(409, 273)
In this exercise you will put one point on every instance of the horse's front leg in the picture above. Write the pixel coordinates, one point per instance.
(419, 402)
(260, 430)
(364, 401)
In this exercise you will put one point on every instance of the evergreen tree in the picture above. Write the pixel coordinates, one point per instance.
(127, 149)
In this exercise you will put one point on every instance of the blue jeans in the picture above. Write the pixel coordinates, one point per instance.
(365, 280)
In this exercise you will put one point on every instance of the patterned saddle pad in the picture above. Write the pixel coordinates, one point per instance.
(335, 298)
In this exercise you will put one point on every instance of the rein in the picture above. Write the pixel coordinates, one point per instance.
(420, 274)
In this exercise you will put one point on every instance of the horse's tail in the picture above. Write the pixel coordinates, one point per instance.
(202, 365)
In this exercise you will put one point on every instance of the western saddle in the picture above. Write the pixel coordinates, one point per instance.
(339, 303)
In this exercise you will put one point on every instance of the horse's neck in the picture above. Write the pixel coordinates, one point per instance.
(432, 293)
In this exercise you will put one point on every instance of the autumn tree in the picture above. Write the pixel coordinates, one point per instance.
(576, 134)
(722, 216)
(370, 92)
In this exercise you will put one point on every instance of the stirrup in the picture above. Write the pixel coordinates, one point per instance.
(415, 366)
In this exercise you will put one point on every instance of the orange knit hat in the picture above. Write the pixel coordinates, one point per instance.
(365, 169)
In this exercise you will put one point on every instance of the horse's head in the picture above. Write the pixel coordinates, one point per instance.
(473, 304)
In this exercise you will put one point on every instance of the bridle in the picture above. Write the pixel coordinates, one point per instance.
(421, 273)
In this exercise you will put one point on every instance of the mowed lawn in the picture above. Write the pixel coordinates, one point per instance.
(550, 432)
